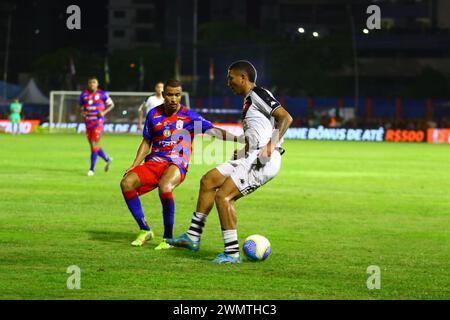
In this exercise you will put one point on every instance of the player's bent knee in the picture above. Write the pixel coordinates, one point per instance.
(124, 184)
(166, 188)
(127, 183)
(208, 181)
(221, 197)
(205, 182)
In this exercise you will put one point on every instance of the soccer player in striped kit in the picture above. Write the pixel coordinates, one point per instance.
(168, 133)
(265, 122)
(94, 105)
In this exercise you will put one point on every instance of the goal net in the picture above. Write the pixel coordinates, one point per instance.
(64, 113)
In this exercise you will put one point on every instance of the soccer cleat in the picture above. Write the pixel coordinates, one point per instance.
(108, 163)
(223, 258)
(164, 245)
(90, 173)
(143, 236)
(184, 241)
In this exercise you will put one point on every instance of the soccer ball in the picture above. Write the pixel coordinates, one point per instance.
(256, 247)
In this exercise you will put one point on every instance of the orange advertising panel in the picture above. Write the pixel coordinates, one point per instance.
(436, 136)
(405, 135)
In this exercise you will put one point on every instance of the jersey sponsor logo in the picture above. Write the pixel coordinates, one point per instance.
(168, 143)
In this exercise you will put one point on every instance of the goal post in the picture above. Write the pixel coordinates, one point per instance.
(65, 109)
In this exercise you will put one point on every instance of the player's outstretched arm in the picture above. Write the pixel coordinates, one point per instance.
(142, 152)
(225, 135)
(228, 136)
(283, 121)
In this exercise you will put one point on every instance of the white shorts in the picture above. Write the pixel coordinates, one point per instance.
(249, 176)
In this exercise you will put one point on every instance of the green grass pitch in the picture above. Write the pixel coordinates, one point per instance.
(335, 209)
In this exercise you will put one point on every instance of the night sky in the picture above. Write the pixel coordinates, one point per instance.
(39, 27)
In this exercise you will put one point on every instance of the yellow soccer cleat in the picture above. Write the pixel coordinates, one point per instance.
(143, 236)
(164, 246)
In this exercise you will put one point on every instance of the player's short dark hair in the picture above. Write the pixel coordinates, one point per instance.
(172, 83)
(92, 78)
(245, 66)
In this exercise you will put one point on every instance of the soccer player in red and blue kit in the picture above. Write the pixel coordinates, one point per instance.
(169, 130)
(94, 105)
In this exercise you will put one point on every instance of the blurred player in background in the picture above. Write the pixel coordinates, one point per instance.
(168, 132)
(265, 121)
(94, 105)
(15, 110)
(153, 101)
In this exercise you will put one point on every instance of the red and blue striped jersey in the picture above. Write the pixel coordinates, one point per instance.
(172, 136)
(93, 103)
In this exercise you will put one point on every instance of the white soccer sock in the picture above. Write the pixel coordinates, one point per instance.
(230, 239)
(197, 224)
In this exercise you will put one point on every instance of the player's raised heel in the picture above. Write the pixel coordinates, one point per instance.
(142, 237)
(223, 258)
(108, 163)
(184, 241)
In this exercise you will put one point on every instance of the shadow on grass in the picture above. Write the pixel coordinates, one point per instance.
(202, 254)
(127, 237)
(54, 170)
(111, 236)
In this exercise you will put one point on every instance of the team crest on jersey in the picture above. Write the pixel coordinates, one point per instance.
(179, 124)
(97, 97)
(167, 133)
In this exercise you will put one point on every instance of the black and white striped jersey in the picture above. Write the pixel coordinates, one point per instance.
(258, 122)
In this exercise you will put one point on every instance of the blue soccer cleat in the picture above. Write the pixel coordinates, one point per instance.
(223, 258)
(184, 241)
